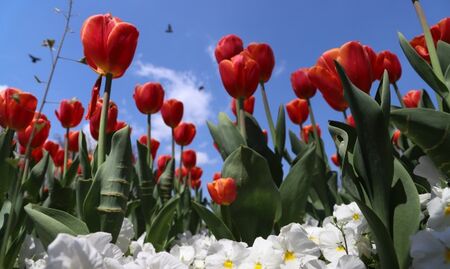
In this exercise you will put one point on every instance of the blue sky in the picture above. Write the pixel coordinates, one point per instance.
(298, 31)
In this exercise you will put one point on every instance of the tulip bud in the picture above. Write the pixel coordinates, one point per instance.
(94, 123)
(41, 133)
(172, 112)
(439, 31)
(249, 105)
(196, 183)
(162, 162)
(308, 130)
(395, 137)
(262, 53)
(121, 124)
(73, 141)
(70, 113)
(109, 44)
(351, 121)
(189, 158)
(196, 172)
(58, 158)
(302, 85)
(16, 108)
(298, 110)
(184, 133)
(228, 46)
(240, 76)
(216, 176)
(266, 138)
(154, 144)
(149, 97)
(51, 147)
(181, 174)
(36, 154)
(223, 191)
(412, 98)
(336, 159)
(387, 60)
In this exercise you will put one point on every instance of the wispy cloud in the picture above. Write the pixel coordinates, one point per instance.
(280, 68)
(2, 87)
(204, 159)
(210, 52)
(181, 85)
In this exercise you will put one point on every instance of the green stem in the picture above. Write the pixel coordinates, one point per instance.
(241, 111)
(399, 96)
(313, 122)
(149, 142)
(268, 114)
(226, 216)
(104, 120)
(66, 153)
(180, 176)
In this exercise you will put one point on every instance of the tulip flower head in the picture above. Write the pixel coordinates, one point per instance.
(439, 31)
(73, 141)
(189, 158)
(227, 47)
(249, 105)
(217, 175)
(302, 85)
(196, 183)
(154, 144)
(196, 172)
(262, 53)
(94, 123)
(298, 111)
(51, 147)
(351, 121)
(223, 191)
(16, 108)
(308, 130)
(41, 133)
(172, 112)
(240, 76)
(109, 44)
(412, 98)
(395, 137)
(387, 60)
(70, 113)
(149, 97)
(184, 133)
(336, 159)
(36, 154)
(162, 162)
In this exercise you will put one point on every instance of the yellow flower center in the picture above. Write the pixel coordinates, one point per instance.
(228, 264)
(356, 216)
(447, 255)
(447, 210)
(258, 266)
(289, 256)
(340, 248)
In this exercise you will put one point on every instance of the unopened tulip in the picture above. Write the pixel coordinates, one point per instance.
(217, 175)
(387, 60)
(162, 162)
(172, 112)
(154, 144)
(262, 53)
(412, 98)
(94, 123)
(439, 31)
(196, 183)
(302, 85)
(120, 125)
(41, 133)
(109, 44)
(336, 159)
(308, 130)
(351, 121)
(395, 137)
(149, 97)
(58, 158)
(181, 173)
(223, 191)
(70, 113)
(357, 64)
(266, 137)
(36, 154)
(228, 46)
(189, 158)
(240, 76)
(51, 147)
(184, 133)
(297, 110)
(73, 141)
(196, 172)
(16, 108)
(249, 105)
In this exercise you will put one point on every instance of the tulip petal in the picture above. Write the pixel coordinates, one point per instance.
(353, 58)
(121, 45)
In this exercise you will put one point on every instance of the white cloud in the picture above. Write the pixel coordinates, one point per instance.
(2, 87)
(280, 68)
(204, 159)
(210, 52)
(181, 85)
(90, 141)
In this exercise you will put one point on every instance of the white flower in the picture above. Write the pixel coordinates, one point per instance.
(226, 254)
(101, 242)
(347, 262)
(263, 255)
(335, 243)
(39, 264)
(350, 216)
(439, 211)
(295, 245)
(32, 248)
(161, 260)
(428, 170)
(185, 254)
(431, 249)
(125, 235)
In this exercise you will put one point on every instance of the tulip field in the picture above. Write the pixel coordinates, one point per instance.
(381, 201)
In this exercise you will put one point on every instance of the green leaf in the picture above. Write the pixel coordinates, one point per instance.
(50, 222)
(374, 143)
(62, 198)
(83, 153)
(295, 187)
(166, 180)
(280, 131)
(422, 68)
(146, 183)
(425, 100)
(385, 97)
(159, 229)
(225, 135)
(406, 208)
(214, 224)
(71, 173)
(443, 52)
(258, 204)
(82, 187)
(297, 146)
(430, 130)
(37, 176)
(6, 169)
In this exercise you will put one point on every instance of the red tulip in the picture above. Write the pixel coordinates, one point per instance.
(162, 162)
(372, 59)
(109, 44)
(189, 158)
(41, 133)
(309, 129)
(36, 154)
(336, 159)
(51, 147)
(154, 144)
(266, 138)
(249, 105)
(216, 176)
(184, 133)
(184, 173)
(351, 121)
(223, 191)
(196, 172)
(196, 183)
(119, 125)
(298, 111)
(172, 112)
(302, 85)
(228, 46)
(149, 97)
(412, 98)
(395, 137)
(262, 53)
(70, 113)
(355, 60)
(73, 141)
(94, 123)
(16, 108)
(387, 60)
(240, 76)
(58, 158)
(439, 31)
